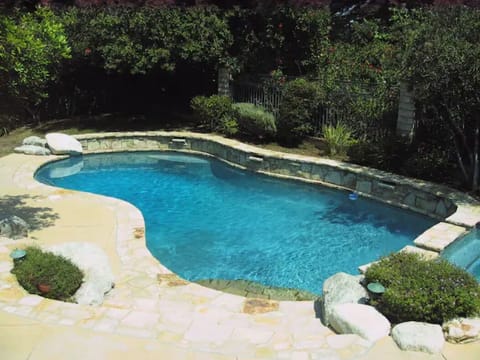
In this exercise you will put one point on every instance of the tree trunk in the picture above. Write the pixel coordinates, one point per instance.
(460, 160)
(475, 154)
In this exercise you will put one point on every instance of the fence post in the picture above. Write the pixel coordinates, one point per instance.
(224, 82)
(406, 113)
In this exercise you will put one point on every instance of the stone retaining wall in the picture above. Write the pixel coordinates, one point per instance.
(417, 195)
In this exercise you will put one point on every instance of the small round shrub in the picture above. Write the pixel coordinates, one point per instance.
(216, 113)
(423, 290)
(254, 120)
(299, 103)
(41, 267)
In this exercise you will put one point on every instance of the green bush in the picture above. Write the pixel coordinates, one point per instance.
(39, 267)
(33, 46)
(431, 291)
(254, 120)
(299, 103)
(216, 113)
(338, 138)
(429, 162)
(387, 154)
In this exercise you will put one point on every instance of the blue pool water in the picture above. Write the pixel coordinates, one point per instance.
(465, 253)
(205, 219)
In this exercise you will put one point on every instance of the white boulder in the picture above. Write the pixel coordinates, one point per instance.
(13, 227)
(61, 144)
(462, 330)
(362, 320)
(341, 288)
(32, 150)
(93, 261)
(35, 141)
(417, 336)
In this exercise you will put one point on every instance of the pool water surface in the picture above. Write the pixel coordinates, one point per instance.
(205, 219)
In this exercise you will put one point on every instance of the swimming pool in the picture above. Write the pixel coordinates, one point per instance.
(465, 253)
(205, 219)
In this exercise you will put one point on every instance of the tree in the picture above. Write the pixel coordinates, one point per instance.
(441, 61)
(32, 46)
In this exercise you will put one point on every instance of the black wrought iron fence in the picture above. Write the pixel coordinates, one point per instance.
(269, 95)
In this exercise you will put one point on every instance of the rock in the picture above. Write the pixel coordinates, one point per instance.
(61, 144)
(35, 141)
(341, 288)
(417, 336)
(13, 227)
(32, 150)
(93, 261)
(362, 320)
(462, 330)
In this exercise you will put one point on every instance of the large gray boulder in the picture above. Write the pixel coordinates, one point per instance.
(462, 330)
(417, 336)
(32, 150)
(63, 144)
(35, 141)
(93, 261)
(13, 227)
(362, 320)
(341, 288)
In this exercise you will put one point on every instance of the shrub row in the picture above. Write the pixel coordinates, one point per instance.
(218, 113)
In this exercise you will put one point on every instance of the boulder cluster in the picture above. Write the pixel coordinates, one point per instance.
(53, 143)
(344, 307)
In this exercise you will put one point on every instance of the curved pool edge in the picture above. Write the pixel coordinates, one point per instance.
(456, 211)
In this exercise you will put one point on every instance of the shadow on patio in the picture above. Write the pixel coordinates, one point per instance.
(37, 217)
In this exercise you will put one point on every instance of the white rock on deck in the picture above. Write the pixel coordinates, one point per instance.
(341, 288)
(13, 227)
(32, 150)
(35, 141)
(63, 144)
(362, 320)
(462, 330)
(417, 336)
(93, 261)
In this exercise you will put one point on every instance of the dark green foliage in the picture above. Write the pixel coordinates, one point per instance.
(440, 59)
(216, 113)
(285, 37)
(430, 162)
(388, 154)
(39, 267)
(423, 160)
(32, 47)
(299, 103)
(139, 40)
(431, 291)
(254, 120)
(359, 78)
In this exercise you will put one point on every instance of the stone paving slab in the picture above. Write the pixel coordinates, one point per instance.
(439, 236)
